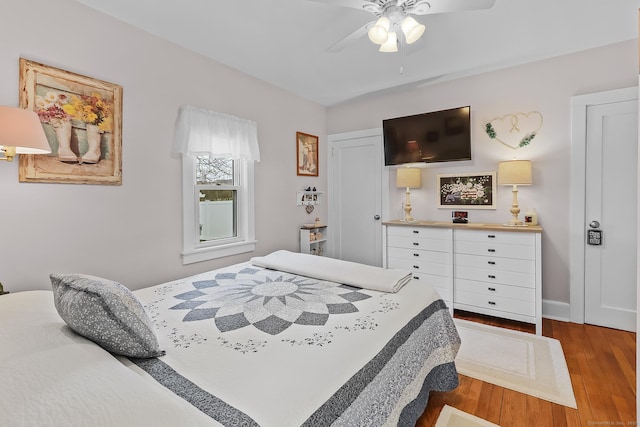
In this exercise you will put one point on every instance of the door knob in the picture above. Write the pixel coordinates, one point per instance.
(594, 224)
(376, 217)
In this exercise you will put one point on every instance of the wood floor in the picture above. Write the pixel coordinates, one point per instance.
(602, 365)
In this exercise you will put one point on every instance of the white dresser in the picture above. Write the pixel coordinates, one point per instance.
(426, 252)
(483, 268)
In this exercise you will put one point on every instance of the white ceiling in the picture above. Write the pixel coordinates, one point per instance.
(284, 42)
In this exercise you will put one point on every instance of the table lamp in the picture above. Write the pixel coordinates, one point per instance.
(514, 172)
(408, 178)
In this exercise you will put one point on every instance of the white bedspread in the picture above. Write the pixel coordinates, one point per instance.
(52, 377)
(285, 350)
(335, 270)
(245, 346)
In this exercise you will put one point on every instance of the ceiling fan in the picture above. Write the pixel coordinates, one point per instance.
(394, 19)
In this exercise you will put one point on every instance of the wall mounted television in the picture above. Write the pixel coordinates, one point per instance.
(438, 136)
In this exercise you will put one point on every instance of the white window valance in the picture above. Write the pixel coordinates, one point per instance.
(200, 131)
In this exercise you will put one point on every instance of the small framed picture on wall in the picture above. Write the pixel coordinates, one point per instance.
(307, 154)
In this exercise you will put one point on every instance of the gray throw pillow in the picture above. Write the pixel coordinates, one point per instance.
(105, 312)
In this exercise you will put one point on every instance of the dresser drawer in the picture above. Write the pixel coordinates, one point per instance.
(492, 262)
(496, 249)
(419, 255)
(414, 266)
(489, 290)
(419, 243)
(439, 283)
(422, 232)
(519, 307)
(524, 280)
(432, 279)
(515, 237)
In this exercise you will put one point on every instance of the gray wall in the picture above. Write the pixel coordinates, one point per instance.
(133, 233)
(545, 86)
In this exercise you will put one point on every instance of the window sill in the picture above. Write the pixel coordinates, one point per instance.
(212, 252)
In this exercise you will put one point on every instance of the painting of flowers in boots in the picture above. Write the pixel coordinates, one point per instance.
(82, 119)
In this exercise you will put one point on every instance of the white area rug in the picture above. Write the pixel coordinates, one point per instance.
(452, 417)
(515, 360)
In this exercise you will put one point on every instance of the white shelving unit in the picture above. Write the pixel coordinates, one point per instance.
(313, 239)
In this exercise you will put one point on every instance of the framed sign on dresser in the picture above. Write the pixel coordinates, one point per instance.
(490, 269)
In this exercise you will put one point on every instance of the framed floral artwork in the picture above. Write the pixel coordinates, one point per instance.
(307, 154)
(82, 119)
(467, 190)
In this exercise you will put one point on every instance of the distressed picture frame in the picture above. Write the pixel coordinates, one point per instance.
(82, 119)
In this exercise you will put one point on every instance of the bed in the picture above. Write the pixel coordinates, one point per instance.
(244, 345)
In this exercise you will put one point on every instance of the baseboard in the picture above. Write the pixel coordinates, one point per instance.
(556, 310)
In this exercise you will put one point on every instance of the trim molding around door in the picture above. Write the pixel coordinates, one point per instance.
(579, 105)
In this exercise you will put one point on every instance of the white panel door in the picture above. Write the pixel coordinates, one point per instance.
(611, 207)
(355, 199)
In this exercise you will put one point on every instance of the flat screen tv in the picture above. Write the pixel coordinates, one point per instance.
(438, 136)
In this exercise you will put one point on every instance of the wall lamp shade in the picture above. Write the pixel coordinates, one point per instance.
(21, 133)
(515, 172)
(408, 178)
(412, 29)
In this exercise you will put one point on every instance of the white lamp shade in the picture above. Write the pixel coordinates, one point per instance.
(412, 29)
(515, 172)
(22, 129)
(379, 33)
(391, 45)
(408, 178)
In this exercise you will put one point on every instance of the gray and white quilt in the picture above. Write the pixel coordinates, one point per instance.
(252, 346)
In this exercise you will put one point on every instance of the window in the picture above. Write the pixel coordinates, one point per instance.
(219, 152)
(217, 207)
(217, 187)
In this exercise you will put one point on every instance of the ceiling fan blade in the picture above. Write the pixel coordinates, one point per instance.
(429, 7)
(357, 34)
(369, 6)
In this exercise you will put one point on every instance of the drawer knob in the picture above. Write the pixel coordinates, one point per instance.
(492, 289)
(416, 244)
(491, 276)
(416, 277)
(417, 267)
(416, 254)
(491, 236)
(492, 303)
(491, 262)
(491, 250)
(416, 231)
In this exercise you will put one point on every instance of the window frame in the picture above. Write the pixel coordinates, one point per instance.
(195, 251)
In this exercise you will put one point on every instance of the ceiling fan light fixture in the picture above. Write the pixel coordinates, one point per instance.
(412, 29)
(379, 33)
(391, 45)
